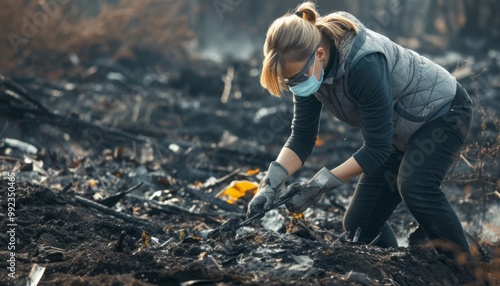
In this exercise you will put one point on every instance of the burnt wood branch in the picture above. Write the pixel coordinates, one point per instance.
(222, 180)
(12, 86)
(108, 211)
(12, 93)
(112, 200)
(170, 208)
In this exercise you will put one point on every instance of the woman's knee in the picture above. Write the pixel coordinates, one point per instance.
(351, 221)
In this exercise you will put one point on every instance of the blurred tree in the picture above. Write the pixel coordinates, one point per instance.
(54, 38)
(425, 25)
(482, 20)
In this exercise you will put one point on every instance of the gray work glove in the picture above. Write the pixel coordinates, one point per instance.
(311, 192)
(269, 186)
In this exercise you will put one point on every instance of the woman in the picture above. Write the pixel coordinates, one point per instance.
(413, 114)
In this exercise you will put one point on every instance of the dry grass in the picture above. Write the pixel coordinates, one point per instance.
(119, 30)
(481, 156)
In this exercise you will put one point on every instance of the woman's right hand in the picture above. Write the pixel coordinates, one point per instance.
(269, 186)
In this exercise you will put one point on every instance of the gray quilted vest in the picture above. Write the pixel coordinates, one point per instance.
(419, 86)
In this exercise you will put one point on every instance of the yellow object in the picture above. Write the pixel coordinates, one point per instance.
(253, 172)
(146, 238)
(298, 216)
(182, 234)
(93, 182)
(236, 190)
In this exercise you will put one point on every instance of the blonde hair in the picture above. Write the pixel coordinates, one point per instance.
(294, 37)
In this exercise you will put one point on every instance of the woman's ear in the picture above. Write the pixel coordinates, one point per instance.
(321, 54)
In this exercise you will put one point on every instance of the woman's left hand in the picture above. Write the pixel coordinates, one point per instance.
(311, 192)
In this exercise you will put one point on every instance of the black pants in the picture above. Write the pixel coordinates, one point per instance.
(414, 177)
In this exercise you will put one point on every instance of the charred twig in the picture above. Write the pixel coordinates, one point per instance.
(356, 235)
(67, 187)
(281, 200)
(228, 80)
(105, 210)
(376, 239)
(165, 207)
(342, 238)
(174, 209)
(11, 158)
(16, 93)
(222, 180)
(226, 232)
(20, 91)
(112, 200)
(308, 230)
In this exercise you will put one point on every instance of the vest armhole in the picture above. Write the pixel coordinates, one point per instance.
(348, 70)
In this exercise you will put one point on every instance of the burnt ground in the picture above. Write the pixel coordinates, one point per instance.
(80, 246)
(113, 128)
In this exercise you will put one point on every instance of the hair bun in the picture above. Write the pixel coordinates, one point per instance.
(299, 14)
(307, 11)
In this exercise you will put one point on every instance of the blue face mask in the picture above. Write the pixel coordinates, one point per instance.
(310, 86)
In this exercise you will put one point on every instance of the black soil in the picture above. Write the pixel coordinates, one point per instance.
(79, 246)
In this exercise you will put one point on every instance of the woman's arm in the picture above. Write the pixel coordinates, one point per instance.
(348, 170)
(290, 160)
(305, 125)
(370, 84)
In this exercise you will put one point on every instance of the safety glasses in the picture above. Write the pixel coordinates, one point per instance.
(302, 75)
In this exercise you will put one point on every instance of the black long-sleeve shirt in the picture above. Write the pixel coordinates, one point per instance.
(370, 85)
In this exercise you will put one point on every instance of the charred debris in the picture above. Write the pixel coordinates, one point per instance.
(145, 177)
